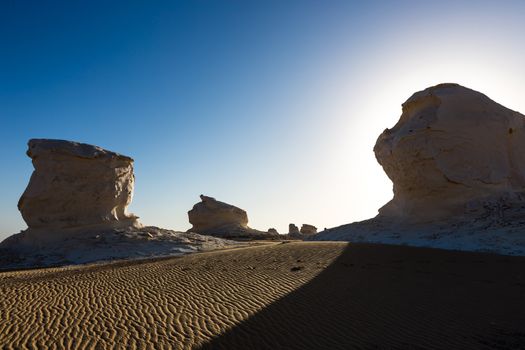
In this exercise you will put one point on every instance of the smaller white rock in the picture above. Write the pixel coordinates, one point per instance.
(215, 218)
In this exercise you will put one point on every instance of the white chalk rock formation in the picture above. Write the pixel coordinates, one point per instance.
(451, 147)
(307, 229)
(457, 162)
(215, 218)
(75, 208)
(293, 232)
(75, 185)
(273, 231)
(210, 213)
(293, 229)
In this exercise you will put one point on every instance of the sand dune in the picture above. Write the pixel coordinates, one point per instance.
(304, 295)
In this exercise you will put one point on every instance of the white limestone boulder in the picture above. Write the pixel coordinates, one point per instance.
(75, 185)
(307, 229)
(273, 231)
(451, 148)
(293, 229)
(457, 162)
(75, 207)
(215, 218)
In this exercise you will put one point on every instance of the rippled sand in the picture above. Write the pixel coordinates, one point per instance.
(311, 295)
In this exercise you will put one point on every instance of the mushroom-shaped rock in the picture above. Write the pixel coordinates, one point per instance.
(457, 162)
(293, 229)
(273, 231)
(212, 217)
(75, 208)
(293, 232)
(210, 214)
(308, 229)
(451, 148)
(76, 184)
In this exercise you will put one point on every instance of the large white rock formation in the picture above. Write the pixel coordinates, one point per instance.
(451, 148)
(293, 229)
(457, 162)
(75, 185)
(212, 217)
(273, 231)
(75, 209)
(307, 229)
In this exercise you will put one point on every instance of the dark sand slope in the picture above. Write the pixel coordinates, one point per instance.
(311, 295)
(379, 296)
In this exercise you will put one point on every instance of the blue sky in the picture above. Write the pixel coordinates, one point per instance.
(271, 106)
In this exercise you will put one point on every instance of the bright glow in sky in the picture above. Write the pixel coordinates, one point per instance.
(273, 107)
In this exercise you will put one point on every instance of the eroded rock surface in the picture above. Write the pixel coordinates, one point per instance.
(86, 245)
(273, 231)
(451, 149)
(76, 184)
(212, 217)
(210, 213)
(307, 229)
(293, 229)
(457, 162)
(75, 208)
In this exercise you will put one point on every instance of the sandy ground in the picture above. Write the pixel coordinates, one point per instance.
(301, 295)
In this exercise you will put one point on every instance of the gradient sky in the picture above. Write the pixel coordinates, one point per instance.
(273, 106)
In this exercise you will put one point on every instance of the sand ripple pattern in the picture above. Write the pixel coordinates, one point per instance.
(309, 295)
(166, 303)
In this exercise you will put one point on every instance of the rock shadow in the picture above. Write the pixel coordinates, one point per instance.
(394, 297)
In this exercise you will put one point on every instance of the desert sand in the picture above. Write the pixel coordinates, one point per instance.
(276, 295)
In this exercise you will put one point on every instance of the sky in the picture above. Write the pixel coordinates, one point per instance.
(273, 106)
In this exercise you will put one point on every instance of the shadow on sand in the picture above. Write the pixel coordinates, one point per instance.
(393, 297)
